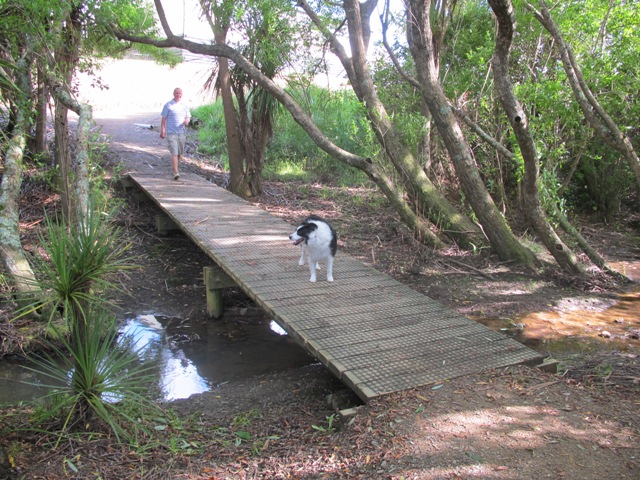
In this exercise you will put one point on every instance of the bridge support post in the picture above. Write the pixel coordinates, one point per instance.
(215, 280)
(126, 183)
(164, 224)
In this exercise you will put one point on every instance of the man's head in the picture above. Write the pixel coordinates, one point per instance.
(177, 94)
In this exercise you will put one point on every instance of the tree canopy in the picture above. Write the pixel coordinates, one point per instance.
(490, 119)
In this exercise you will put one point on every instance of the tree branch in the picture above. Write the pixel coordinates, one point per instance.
(384, 20)
(482, 134)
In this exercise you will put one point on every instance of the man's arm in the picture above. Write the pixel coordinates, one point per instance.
(163, 127)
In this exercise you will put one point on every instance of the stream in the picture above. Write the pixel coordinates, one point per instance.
(188, 358)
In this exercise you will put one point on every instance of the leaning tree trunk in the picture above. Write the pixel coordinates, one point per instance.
(428, 200)
(503, 10)
(419, 36)
(12, 255)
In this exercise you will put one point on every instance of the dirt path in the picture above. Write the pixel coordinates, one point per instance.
(137, 147)
(516, 423)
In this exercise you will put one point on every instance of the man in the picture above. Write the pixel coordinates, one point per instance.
(175, 117)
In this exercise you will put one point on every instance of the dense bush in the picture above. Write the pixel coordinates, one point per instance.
(212, 138)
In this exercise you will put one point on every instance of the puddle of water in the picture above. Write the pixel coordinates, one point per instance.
(188, 358)
(630, 269)
(577, 331)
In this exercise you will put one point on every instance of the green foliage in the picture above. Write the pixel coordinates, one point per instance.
(78, 264)
(330, 428)
(606, 49)
(245, 419)
(340, 116)
(291, 154)
(97, 153)
(603, 37)
(605, 179)
(212, 138)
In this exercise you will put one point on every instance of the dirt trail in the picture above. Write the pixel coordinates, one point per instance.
(137, 147)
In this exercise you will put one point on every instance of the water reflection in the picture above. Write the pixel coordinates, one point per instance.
(188, 358)
(273, 325)
(178, 376)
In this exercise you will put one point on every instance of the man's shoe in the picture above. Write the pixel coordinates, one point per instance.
(176, 176)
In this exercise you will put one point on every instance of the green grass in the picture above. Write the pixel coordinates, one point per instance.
(285, 171)
(292, 155)
(93, 376)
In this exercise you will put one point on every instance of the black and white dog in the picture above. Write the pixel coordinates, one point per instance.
(318, 241)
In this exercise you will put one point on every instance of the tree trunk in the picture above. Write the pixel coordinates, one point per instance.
(238, 182)
(503, 241)
(78, 191)
(14, 260)
(66, 56)
(255, 132)
(503, 10)
(41, 146)
(62, 158)
(12, 255)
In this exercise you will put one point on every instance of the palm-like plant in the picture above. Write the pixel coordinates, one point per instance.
(77, 273)
(92, 378)
(78, 266)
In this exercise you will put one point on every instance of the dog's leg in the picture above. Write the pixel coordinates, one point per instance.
(329, 268)
(313, 264)
(302, 253)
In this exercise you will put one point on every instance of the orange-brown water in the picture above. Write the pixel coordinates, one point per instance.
(613, 327)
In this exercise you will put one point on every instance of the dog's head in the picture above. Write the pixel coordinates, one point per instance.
(303, 233)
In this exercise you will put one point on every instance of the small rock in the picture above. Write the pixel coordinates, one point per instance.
(619, 320)
(605, 334)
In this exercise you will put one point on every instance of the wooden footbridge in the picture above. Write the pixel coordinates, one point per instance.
(375, 334)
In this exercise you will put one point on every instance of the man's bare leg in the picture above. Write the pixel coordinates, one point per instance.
(174, 164)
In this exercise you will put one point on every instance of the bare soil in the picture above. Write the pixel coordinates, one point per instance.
(512, 423)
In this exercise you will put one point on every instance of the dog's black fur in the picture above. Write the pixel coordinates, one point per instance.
(318, 241)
